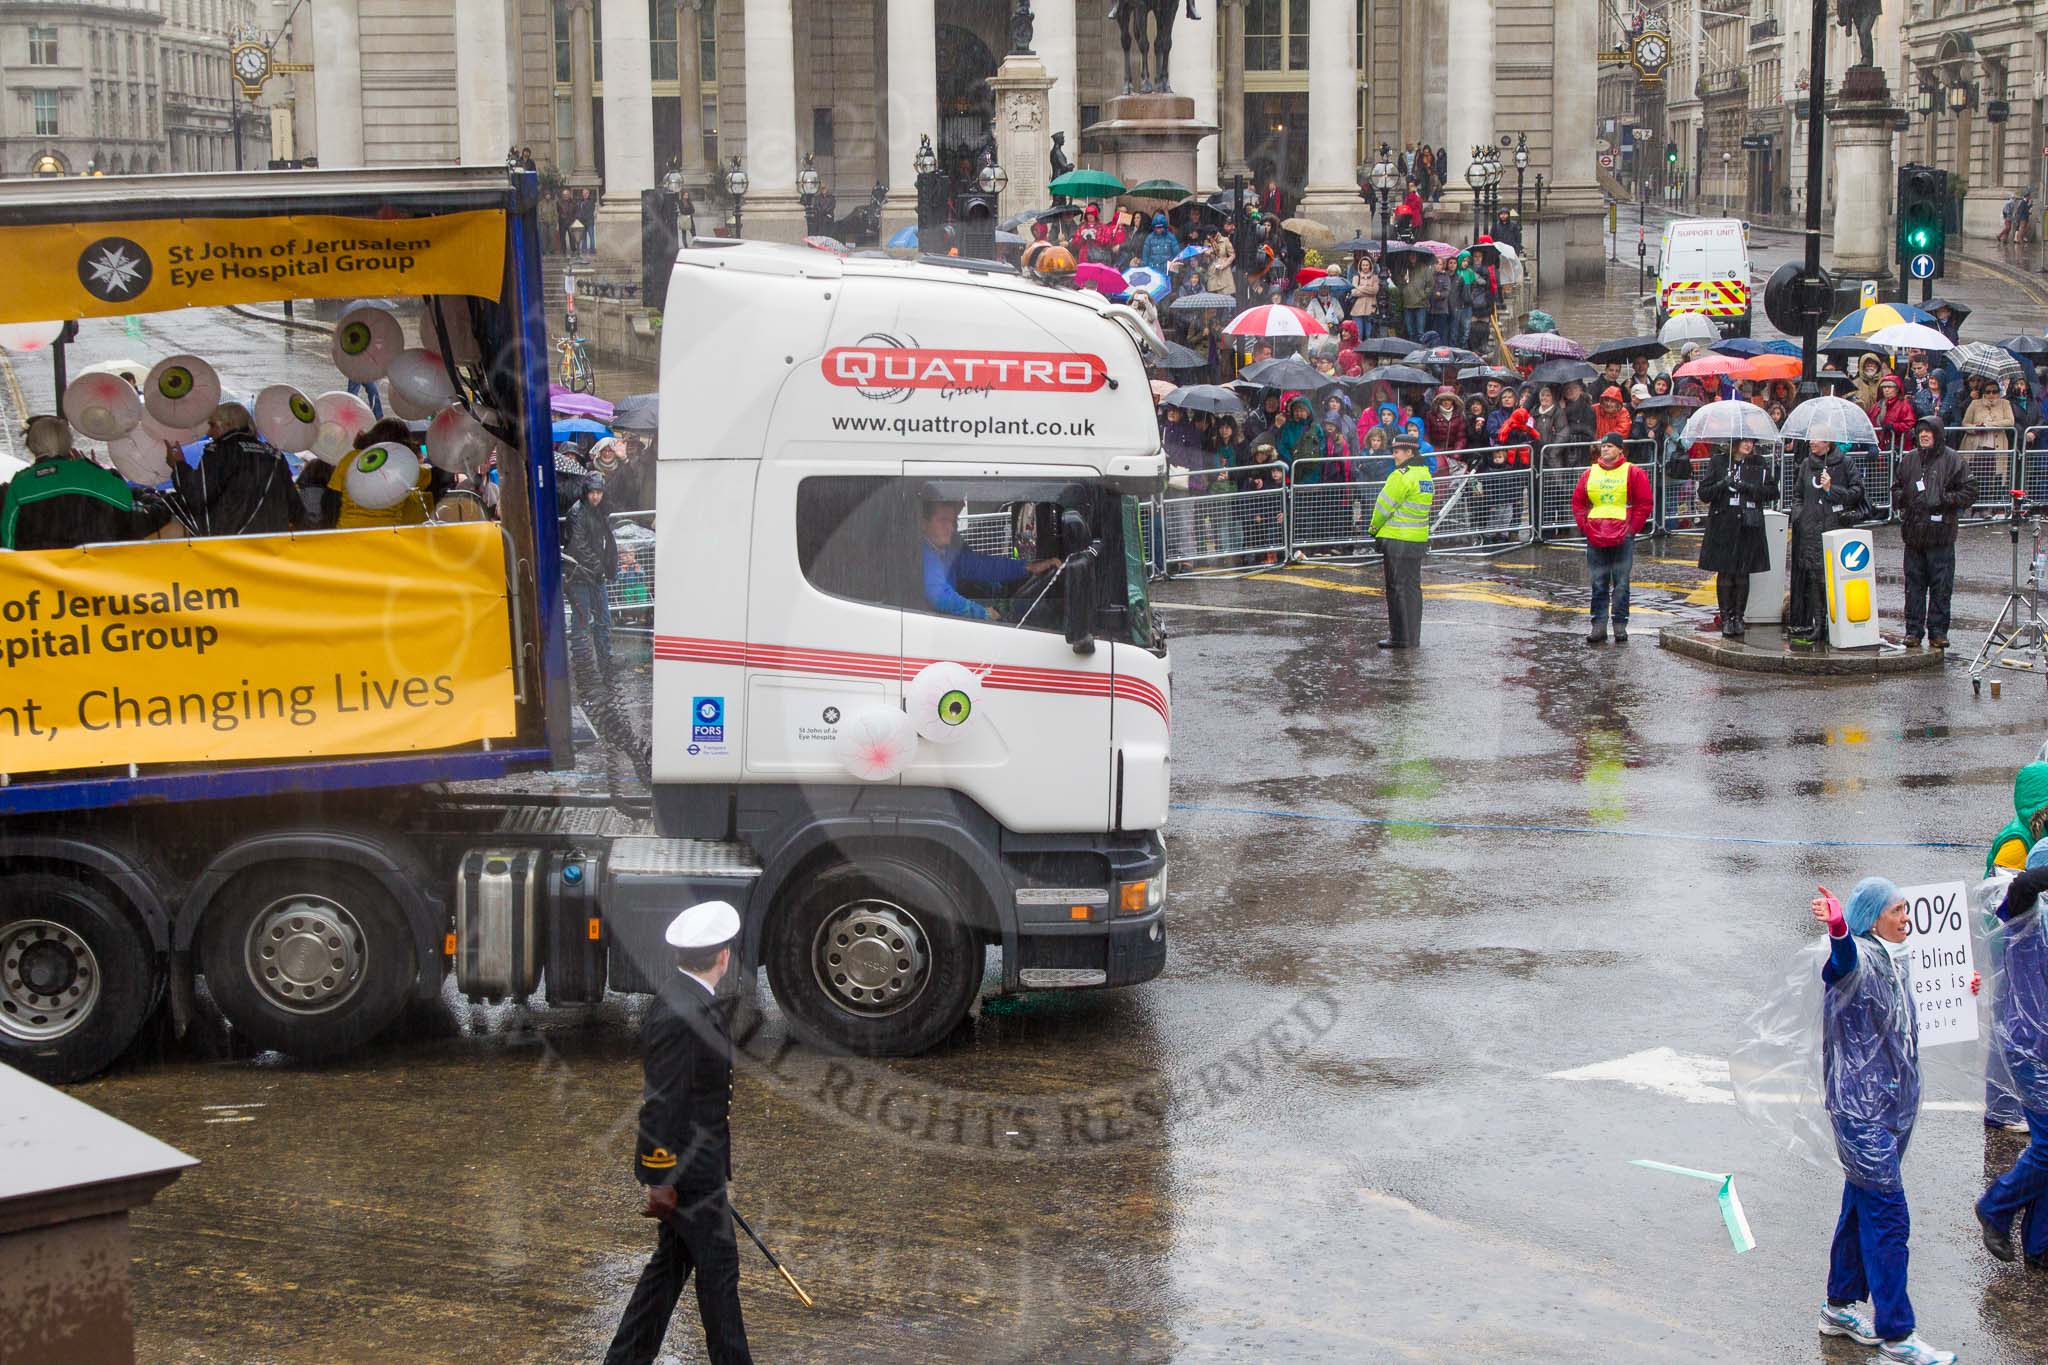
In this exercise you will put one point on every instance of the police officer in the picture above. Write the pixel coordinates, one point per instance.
(684, 1153)
(1400, 522)
(64, 500)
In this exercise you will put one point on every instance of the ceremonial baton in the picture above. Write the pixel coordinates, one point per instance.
(781, 1269)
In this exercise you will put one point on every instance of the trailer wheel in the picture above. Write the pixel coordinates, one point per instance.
(76, 977)
(874, 960)
(308, 958)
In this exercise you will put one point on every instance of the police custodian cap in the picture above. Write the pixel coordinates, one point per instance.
(704, 926)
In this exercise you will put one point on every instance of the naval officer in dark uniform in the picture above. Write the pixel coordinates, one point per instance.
(684, 1153)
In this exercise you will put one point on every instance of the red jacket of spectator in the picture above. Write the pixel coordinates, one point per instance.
(1893, 411)
(1609, 414)
(1518, 428)
(1445, 430)
(1609, 532)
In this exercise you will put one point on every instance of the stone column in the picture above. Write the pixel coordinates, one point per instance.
(690, 93)
(1575, 205)
(337, 84)
(772, 211)
(1468, 119)
(1023, 91)
(1231, 112)
(628, 130)
(1191, 71)
(484, 81)
(1860, 136)
(582, 114)
(1332, 193)
(1059, 51)
(913, 103)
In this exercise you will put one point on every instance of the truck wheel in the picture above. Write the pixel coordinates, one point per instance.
(308, 958)
(76, 977)
(874, 960)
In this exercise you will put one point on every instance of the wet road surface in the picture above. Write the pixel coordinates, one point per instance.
(1333, 1130)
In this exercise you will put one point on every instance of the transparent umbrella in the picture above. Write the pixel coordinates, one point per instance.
(1688, 327)
(1829, 419)
(1729, 420)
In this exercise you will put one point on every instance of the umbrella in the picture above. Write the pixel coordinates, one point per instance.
(1103, 279)
(1002, 239)
(1770, 366)
(1058, 211)
(568, 428)
(1179, 357)
(1864, 321)
(1668, 402)
(1087, 184)
(1443, 356)
(1985, 361)
(563, 403)
(1829, 419)
(1161, 388)
(1230, 200)
(1359, 244)
(1961, 310)
(1625, 349)
(2025, 345)
(1017, 220)
(1274, 320)
(831, 244)
(1202, 303)
(1732, 420)
(1684, 327)
(1710, 366)
(641, 412)
(1781, 347)
(1479, 374)
(1204, 398)
(1400, 374)
(1386, 348)
(1153, 282)
(119, 365)
(1737, 346)
(1909, 336)
(1501, 249)
(1188, 253)
(1406, 249)
(1562, 372)
(1443, 251)
(1548, 344)
(1310, 231)
(1329, 284)
(1159, 192)
(1849, 346)
(1287, 372)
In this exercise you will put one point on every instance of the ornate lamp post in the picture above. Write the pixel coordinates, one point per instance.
(1521, 169)
(1383, 176)
(1475, 178)
(931, 187)
(736, 186)
(810, 189)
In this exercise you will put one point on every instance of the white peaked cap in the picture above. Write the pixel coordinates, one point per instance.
(704, 926)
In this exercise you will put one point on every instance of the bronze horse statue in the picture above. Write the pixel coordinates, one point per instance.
(1130, 16)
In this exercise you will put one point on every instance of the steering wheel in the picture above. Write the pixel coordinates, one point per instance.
(1028, 594)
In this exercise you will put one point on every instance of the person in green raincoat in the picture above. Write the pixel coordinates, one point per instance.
(2010, 847)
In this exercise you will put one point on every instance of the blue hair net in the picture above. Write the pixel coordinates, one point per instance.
(1868, 901)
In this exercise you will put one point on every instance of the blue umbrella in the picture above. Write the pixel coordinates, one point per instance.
(1781, 347)
(904, 240)
(1153, 282)
(571, 427)
(1742, 346)
(1328, 284)
(1864, 321)
(1188, 253)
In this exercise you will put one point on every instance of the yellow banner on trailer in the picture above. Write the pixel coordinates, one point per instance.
(148, 265)
(259, 647)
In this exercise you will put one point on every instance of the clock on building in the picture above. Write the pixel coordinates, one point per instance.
(1650, 54)
(252, 66)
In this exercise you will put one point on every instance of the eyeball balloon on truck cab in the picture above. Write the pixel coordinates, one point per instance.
(181, 391)
(944, 701)
(457, 441)
(419, 384)
(28, 336)
(341, 418)
(286, 418)
(365, 340)
(382, 475)
(139, 458)
(101, 406)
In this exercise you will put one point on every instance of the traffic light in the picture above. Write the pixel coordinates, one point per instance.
(1671, 154)
(1923, 218)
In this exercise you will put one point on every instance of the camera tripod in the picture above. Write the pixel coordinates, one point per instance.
(2019, 637)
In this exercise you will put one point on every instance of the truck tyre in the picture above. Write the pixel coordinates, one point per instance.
(77, 978)
(875, 960)
(313, 959)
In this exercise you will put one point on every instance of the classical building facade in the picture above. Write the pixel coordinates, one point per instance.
(204, 109)
(1974, 76)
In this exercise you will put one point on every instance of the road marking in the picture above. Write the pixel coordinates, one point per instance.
(1248, 611)
(1695, 1079)
(1450, 592)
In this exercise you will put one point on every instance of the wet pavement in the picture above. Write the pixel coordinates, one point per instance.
(1407, 893)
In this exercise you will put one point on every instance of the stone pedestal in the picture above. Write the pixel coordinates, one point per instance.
(1860, 136)
(1023, 91)
(1147, 137)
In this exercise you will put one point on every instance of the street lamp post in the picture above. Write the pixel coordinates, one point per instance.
(1726, 157)
(1475, 177)
(1539, 231)
(1521, 169)
(931, 189)
(809, 189)
(1383, 176)
(736, 186)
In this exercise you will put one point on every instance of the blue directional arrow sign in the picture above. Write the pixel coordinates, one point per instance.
(1855, 555)
(1921, 267)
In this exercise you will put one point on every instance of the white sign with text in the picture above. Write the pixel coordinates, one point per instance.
(1942, 962)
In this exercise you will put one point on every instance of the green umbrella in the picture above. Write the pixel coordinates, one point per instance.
(1159, 191)
(1087, 184)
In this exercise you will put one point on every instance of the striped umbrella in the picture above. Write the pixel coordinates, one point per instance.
(1985, 361)
(1548, 344)
(1275, 320)
(1864, 321)
(1203, 303)
(1153, 282)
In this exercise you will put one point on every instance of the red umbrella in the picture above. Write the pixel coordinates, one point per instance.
(1275, 320)
(1102, 278)
(1761, 367)
(1310, 272)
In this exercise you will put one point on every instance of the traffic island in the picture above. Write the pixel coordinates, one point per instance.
(1764, 649)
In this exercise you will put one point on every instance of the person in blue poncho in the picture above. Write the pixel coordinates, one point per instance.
(954, 574)
(1871, 1084)
(2019, 1033)
(1161, 246)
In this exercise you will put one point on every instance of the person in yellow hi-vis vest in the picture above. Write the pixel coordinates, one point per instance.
(1400, 522)
(1612, 505)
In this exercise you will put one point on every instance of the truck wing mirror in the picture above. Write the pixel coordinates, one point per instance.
(1079, 572)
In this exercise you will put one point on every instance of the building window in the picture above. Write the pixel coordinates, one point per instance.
(707, 43)
(821, 132)
(661, 26)
(1276, 35)
(42, 46)
(710, 126)
(44, 105)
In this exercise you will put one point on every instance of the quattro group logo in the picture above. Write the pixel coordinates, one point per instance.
(891, 372)
(114, 269)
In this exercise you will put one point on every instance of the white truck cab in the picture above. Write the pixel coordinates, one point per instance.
(819, 418)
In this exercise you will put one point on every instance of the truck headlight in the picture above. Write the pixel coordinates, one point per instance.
(1139, 898)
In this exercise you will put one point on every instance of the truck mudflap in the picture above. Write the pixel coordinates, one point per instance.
(1075, 938)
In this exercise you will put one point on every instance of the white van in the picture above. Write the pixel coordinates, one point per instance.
(1703, 267)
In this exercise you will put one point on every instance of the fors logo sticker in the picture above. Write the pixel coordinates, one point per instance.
(707, 720)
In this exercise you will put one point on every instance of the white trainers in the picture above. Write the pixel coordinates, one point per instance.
(1846, 1322)
(1915, 1352)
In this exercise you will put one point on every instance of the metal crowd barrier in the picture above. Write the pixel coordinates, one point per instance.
(633, 590)
(1995, 466)
(1483, 512)
(1329, 506)
(2034, 463)
(1228, 532)
(1557, 482)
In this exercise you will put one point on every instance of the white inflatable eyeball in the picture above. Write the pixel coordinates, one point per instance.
(876, 744)
(420, 380)
(101, 406)
(139, 458)
(160, 432)
(381, 476)
(456, 441)
(285, 418)
(365, 340)
(944, 701)
(28, 336)
(340, 417)
(181, 391)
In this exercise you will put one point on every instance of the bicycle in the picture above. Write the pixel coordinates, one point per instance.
(576, 374)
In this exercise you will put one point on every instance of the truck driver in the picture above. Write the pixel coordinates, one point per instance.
(952, 572)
